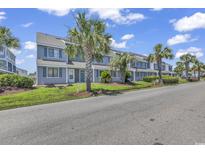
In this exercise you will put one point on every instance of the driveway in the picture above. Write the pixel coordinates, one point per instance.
(167, 115)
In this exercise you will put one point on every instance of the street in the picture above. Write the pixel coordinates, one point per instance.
(166, 115)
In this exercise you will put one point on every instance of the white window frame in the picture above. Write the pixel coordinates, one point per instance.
(48, 55)
(51, 76)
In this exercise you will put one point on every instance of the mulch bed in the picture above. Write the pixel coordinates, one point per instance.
(11, 90)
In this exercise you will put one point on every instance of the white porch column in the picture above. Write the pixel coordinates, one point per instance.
(134, 75)
(66, 74)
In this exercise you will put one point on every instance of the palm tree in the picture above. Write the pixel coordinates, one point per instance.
(179, 68)
(198, 66)
(88, 39)
(186, 60)
(7, 38)
(160, 52)
(120, 62)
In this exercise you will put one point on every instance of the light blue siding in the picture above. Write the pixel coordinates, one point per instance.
(50, 80)
(41, 54)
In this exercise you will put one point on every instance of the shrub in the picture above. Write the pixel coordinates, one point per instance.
(127, 76)
(170, 80)
(12, 80)
(105, 77)
(150, 78)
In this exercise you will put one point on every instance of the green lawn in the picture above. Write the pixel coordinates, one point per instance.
(42, 95)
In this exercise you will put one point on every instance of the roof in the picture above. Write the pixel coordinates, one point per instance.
(46, 39)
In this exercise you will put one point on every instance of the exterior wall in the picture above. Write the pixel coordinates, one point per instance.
(138, 69)
(41, 53)
(50, 80)
(7, 60)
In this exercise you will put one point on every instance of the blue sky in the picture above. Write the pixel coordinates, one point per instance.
(136, 30)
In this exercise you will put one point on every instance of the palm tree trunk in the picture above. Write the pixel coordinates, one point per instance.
(199, 72)
(160, 72)
(88, 68)
(123, 76)
(187, 71)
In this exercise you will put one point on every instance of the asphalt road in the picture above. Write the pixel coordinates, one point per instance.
(167, 115)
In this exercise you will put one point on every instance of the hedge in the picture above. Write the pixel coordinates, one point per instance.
(170, 80)
(166, 79)
(13, 80)
(150, 78)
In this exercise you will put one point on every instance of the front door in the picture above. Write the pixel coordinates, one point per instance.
(82, 75)
(71, 75)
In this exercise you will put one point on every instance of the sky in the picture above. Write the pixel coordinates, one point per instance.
(133, 30)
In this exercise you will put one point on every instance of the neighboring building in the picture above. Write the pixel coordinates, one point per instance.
(55, 67)
(7, 60)
(21, 72)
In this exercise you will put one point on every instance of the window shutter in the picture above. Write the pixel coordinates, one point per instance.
(44, 71)
(45, 52)
(60, 72)
(60, 54)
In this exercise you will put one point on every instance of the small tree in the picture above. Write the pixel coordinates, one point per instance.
(105, 76)
(160, 52)
(120, 62)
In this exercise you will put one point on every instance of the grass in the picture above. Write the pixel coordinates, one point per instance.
(43, 95)
(181, 81)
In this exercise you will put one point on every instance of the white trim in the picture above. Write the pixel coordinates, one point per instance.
(66, 75)
(52, 77)
(134, 75)
(50, 45)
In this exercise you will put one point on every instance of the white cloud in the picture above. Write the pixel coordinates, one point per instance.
(30, 56)
(156, 9)
(2, 16)
(26, 25)
(127, 37)
(181, 38)
(195, 21)
(20, 61)
(191, 50)
(15, 51)
(119, 16)
(56, 12)
(119, 45)
(30, 45)
(171, 21)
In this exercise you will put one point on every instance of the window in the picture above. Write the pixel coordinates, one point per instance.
(9, 67)
(45, 52)
(3, 64)
(170, 68)
(1, 51)
(60, 72)
(14, 68)
(52, 72)
(155, 66)
(51, 52)
(142, 65)
(44, 72)
(60, 54)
